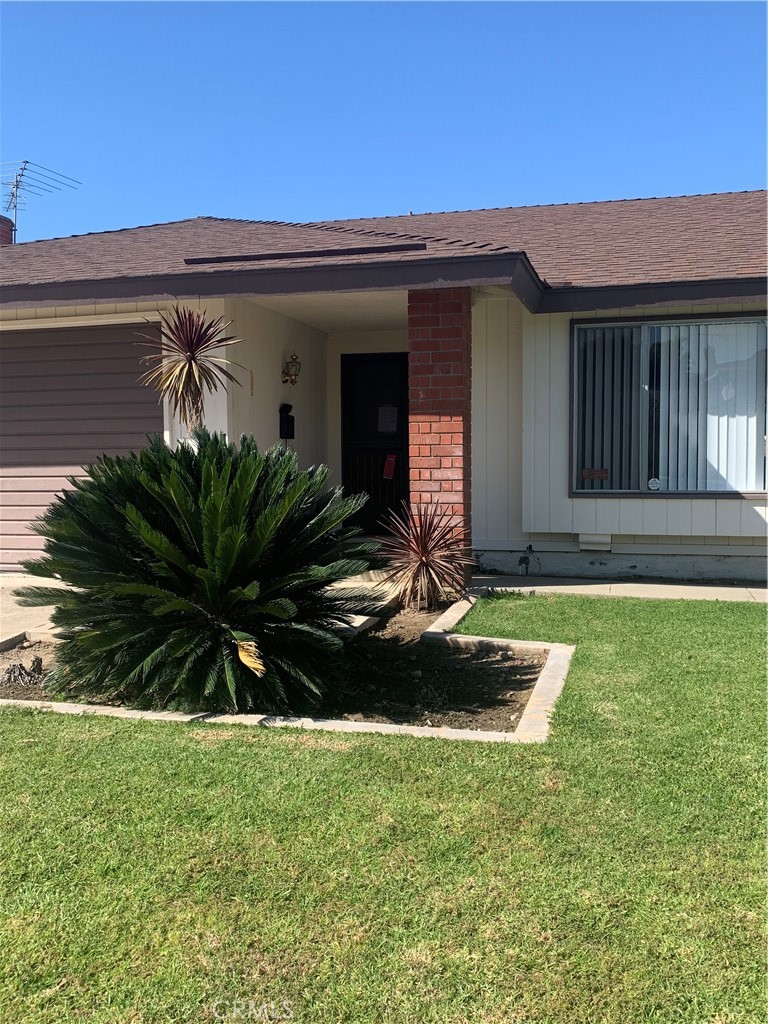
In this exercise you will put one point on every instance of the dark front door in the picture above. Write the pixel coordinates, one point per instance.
(374, 432)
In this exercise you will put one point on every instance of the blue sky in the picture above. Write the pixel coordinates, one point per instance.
(299, 111)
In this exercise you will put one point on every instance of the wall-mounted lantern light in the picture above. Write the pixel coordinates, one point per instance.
(292, 370)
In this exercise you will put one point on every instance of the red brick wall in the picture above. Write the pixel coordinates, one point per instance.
(440, 386)
(6, 231)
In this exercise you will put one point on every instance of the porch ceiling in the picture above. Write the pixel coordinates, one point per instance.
(342, 311)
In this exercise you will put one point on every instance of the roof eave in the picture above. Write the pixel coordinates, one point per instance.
(512, 269)
(578, 300)
(451, 271)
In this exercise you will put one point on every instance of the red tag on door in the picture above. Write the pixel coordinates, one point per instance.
(389, 467)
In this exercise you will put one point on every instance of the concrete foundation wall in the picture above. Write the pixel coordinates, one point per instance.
(738, 566)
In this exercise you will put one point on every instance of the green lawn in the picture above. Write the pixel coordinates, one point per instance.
(614, 874)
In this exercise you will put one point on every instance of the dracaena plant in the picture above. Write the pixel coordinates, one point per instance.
(427, 552)
(183, 367)
(199, 577)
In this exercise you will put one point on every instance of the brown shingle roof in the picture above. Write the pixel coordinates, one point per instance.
(161, 249)
(628, 241)
(624, 242)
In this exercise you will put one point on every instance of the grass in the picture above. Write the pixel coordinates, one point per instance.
(614, 874)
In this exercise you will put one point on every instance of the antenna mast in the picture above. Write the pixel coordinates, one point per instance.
(25, 178)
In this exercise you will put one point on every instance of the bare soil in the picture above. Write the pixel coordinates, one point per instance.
(386, 675)
(24, 655)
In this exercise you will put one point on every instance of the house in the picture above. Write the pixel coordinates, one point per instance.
(586, 379)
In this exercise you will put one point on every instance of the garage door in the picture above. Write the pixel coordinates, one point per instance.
(66, 397)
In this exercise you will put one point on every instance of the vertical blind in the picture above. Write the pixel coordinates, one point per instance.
(671, 407)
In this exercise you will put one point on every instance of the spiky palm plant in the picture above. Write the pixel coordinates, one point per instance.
(199, 577)
(427, 554)
(183, 368)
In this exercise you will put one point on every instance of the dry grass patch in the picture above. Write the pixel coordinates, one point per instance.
(289, 737)
(316, 740)
(211, 735)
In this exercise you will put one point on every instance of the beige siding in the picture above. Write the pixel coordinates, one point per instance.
(497, 422)
(66, 396)
(520, 449)
(547, 508)
(269, 340)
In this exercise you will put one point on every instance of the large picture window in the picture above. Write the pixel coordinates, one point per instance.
(670, 407)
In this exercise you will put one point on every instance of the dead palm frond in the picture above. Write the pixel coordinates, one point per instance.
(184, 370)
(427, 553)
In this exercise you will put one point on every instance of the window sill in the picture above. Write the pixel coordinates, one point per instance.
(696, 495)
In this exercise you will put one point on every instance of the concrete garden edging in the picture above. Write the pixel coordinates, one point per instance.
(7, 643)
(533, 726)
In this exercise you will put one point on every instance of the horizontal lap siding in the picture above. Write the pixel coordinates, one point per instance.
(66, 397)
(34, 429)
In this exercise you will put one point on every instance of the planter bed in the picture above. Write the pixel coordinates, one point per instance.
(406, 674)
(388, 676)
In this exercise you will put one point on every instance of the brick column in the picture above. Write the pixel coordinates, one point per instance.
(440, 387)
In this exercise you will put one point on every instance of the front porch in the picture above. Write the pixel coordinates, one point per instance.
(396, 426)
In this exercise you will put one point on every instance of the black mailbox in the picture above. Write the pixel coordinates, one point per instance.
(287, 429)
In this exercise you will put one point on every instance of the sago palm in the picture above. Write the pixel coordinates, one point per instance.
(184, 369)
(199, 577)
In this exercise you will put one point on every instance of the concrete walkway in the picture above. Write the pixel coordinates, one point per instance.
(624, 588)
(13, 618)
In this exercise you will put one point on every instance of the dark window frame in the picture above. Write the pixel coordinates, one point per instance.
(698, 317)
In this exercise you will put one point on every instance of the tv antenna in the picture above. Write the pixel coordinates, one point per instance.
(21, 179)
